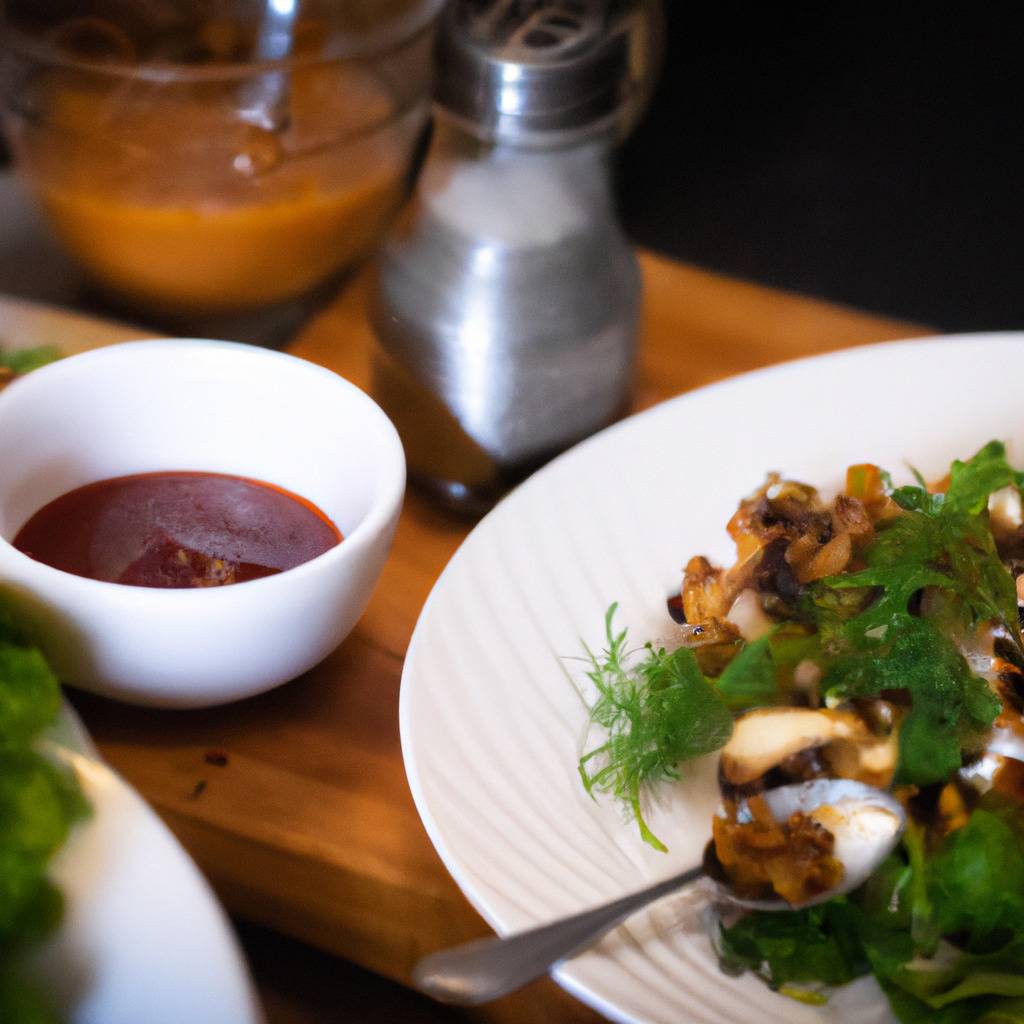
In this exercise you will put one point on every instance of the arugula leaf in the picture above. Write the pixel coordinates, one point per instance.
(658, 712)
(818, 944)
(750, 679)
(39, 804)
(971, 483)
(910, 1010)
(977, 879)
(949, 534)
(949, 701)
(943, 542)
(1006, 1011)
(21, 1003)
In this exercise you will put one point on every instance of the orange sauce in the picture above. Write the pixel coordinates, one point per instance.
(224, 257)
(167, 198)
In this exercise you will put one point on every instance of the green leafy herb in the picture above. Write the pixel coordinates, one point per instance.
(939, 924)
(942, 542)
(977, 880)
(972, 888)
(818, 945)
(23, 360)
(21, 1003)
(1007, 1011)
(750, 679)
(39, 803)
(950, 703)
(658, 711)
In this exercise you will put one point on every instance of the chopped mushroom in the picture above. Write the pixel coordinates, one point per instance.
(703, 595)
(763, 739)
(748, 616)
(829, 560)
(793, 859)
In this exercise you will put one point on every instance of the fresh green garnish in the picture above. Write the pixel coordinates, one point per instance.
(950, 703)
(749, 680)
(941, 923)
(39, 803)
(866, 638)
(942, 542)
(658, 711)
(22, 360)
(975, 891)
(805, 947)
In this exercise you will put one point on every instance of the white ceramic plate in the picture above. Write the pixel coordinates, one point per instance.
(491, 721)
(143, 938)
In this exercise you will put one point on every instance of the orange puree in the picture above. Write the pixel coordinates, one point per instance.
(169, 198)
(219, 257)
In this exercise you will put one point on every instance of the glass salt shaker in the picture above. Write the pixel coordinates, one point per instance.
(506, 301)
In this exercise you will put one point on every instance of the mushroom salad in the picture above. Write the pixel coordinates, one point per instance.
(875, 637)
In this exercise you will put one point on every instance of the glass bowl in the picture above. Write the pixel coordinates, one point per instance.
(188, 180)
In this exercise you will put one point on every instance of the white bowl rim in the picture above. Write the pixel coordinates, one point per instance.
(388, 494)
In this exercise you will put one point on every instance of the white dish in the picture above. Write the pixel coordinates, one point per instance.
(142, 939)
(197, 405)
(491, 723)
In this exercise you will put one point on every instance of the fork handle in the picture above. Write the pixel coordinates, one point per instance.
(489, 968)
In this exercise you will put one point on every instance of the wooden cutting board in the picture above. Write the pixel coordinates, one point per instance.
(295, 802)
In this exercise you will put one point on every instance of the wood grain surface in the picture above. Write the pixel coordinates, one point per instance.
(295, 803)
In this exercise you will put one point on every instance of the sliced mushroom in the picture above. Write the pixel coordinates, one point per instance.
(829, 560)
(850, 515)
(1005, 513)
(802, 550)
(763, 739)
(995, 771)
(704, 598)
(807, 679)
(779, 508)
(747, 615)
(869, 761)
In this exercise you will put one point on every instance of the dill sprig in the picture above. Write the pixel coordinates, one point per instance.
(657, 710)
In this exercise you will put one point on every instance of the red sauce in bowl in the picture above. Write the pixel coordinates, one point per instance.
(178, 529)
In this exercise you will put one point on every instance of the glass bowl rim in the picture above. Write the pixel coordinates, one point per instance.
(376, 45)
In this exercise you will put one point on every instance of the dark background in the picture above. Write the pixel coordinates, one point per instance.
(873, 159)
(876, 161)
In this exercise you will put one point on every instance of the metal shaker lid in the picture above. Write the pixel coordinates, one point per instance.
(547, 72)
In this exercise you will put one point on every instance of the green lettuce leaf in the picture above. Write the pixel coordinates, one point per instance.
(39, 804)
(750, 679)
(943, 542)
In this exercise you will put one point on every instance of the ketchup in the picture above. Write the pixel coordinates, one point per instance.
(177, 529)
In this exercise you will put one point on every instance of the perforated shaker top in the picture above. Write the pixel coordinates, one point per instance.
(546, 72)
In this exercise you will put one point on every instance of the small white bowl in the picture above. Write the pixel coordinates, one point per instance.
(196, 405)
